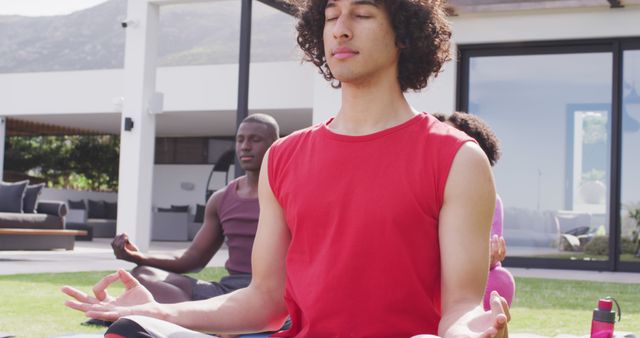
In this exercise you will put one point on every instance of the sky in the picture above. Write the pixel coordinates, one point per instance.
(44, 7)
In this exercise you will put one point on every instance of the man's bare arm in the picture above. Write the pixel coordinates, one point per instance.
(259, 307)
(204, 246)
(465, 220)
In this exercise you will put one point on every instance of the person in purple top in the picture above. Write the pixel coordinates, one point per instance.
(499, 279)
(231, 213)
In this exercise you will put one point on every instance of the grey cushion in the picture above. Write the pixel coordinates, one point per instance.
(96, 209)
(30, 221)
(12, 195)
(180, 208)
(76, 204)
(30, 200)
(54, 208)
(199, 217)
(111, 210)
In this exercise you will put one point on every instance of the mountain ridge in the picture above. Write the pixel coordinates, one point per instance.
(193, 34)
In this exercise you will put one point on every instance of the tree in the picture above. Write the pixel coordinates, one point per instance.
(72, 161)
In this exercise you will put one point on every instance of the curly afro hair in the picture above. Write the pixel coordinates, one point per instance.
(479, 130)
(421, 29)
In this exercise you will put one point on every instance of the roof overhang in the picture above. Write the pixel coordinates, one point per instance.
(485, 6)
(18, 127)
(281, 5)
(456, 7)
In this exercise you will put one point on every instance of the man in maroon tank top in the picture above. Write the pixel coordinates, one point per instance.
(372, 224)
(231, 213)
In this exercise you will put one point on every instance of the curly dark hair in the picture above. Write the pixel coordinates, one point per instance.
(475, 127)
(421, 29)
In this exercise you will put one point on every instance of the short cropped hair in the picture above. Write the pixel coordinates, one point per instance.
(478, 129)
(422, 34)
(267, 120)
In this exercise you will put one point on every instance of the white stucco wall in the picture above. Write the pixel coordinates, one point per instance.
(168, 180)
(185, 88)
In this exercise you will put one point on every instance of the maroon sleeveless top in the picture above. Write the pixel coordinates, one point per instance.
(239, 220)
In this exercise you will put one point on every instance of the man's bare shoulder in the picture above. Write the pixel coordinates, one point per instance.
(471, 153)
(214, 201)
(471, 171)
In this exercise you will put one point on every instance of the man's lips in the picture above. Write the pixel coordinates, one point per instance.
(343, 53)
(246, 158)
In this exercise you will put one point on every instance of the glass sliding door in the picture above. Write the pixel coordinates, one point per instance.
(552, 113)
(630, 166)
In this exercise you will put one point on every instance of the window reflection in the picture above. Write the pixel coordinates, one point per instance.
(552, 114)
(630, 183)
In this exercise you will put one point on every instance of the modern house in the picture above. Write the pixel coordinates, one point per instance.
(559, 82)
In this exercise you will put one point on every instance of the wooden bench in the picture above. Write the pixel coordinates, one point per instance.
(38, 239)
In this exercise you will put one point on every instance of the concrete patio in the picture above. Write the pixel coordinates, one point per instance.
(97, 256)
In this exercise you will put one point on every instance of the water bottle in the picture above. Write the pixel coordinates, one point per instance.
(604, 318)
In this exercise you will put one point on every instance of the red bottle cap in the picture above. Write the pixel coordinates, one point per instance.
(605, 304)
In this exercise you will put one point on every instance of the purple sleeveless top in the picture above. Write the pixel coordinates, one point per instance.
(239, 219)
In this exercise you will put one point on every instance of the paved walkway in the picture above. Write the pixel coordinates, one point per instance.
(97, 256)
(87, 256)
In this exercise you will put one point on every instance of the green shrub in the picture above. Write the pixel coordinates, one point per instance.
(599, 245)
(628, 247)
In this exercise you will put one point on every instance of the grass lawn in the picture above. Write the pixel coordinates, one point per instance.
(31, 305)
(581, 256)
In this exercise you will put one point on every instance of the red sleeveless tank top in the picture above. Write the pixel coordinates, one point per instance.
(364, 259)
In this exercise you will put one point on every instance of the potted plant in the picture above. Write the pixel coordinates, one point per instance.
(592, 187)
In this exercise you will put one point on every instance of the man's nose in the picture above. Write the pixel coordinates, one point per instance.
(245, 145)
(342, 28)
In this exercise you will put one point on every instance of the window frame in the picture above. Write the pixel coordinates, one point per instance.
(615, 46)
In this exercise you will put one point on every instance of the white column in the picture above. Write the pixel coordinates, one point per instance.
(3, 135)
(137, 144)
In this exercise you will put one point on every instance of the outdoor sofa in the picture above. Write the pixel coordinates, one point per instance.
(29, 224)
(176, 223)
(99, 218)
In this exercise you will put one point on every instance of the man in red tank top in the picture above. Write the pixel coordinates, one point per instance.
(372, 224)
(231, 213)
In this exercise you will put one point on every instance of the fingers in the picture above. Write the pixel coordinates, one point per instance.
(505, 308)
(498, 249)
(119, 241)
(110, 316)
(489, 333)
(130, 246)
(501, 317)
(83, 307)
(494, 253)
(503, 247)
(127, 279)
(78, 295)
(96, 311)
(100, 289)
